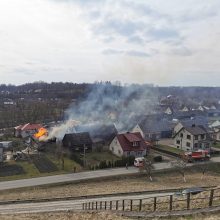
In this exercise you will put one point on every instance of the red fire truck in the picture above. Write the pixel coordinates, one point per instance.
(196, 155)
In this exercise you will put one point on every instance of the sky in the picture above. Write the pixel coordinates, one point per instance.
(165, 43)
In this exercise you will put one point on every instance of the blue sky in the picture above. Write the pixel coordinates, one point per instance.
(170, 42)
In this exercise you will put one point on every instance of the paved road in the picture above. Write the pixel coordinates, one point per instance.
(74, 177)
(74, 204)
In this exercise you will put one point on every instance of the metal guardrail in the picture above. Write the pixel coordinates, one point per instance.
(174, 202)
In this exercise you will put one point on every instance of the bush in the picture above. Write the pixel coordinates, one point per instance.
(158, 158)
(77, 159)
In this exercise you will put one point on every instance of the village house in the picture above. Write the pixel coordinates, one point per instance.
(26, 130)
(129, 144)
(78, 141)
(216, 134)
(101, 134)
(154, 127)
(192, 138)
(189, 122)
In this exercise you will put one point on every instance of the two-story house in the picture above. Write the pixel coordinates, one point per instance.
(192, 138)
(128, 144)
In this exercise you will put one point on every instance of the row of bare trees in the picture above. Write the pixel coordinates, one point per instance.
(179, 165)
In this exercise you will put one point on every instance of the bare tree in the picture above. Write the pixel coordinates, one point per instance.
(180, 165)
(204, 168)
(147, 167)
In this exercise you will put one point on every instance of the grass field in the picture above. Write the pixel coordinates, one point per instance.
(171, 149)
(94, 158)
(217, 145)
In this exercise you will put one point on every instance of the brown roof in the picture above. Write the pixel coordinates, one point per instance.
(126, 141)
(28, 126)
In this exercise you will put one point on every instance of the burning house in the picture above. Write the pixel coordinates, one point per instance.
(26, 130)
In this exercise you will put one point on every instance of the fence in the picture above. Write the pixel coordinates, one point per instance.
(173, 202)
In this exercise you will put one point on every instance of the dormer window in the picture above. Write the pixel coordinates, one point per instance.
(136, 143)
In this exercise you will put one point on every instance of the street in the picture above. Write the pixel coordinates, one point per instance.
(75, 176)
(70, 204)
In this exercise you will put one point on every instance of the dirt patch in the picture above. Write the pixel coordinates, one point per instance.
(10, 170)
(43, 164)
(63, 216)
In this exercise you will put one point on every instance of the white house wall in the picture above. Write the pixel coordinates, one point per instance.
(115, 147)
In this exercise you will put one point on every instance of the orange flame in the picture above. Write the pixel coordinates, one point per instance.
(41, 132)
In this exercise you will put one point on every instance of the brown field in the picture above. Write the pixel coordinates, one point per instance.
(116, 185)
(63, 216)
(100, 216)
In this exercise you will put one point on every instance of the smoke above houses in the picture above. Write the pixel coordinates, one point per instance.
(107, 104)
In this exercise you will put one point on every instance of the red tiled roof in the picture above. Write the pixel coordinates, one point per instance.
(126, 140)
(132, 137)
(28, 126)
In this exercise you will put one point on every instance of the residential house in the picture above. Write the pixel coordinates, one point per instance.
(128, 144)
(26, 130)
(154, 127)
(101, 134)
(216, 134)
(191, 138)
(78, 141)
(181, 115)
(185, 109)
(189, 122)
(215, 124)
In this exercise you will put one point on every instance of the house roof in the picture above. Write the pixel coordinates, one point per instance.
(102, 132)
(155, 124)
(197, 121)
(78, 139)
(196, 130)
(126, 140)
(28, 126)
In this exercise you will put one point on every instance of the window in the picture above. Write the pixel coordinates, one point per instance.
(188, 137)
(188, 144)
(202, 136)
(196, 137)
(119, 152)
(196, 145)
(181, 135)
(136, 143)
(177, 141)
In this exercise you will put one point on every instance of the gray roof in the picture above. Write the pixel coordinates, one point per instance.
(78, 139)
(104, 132)
(196, 121)
(154, 124)
(196, 130)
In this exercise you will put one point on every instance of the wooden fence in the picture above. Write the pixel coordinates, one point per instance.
(173, 202)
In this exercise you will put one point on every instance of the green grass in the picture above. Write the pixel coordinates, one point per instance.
(171, 149)
(68, 164)
(217, 145)
(94, 158)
